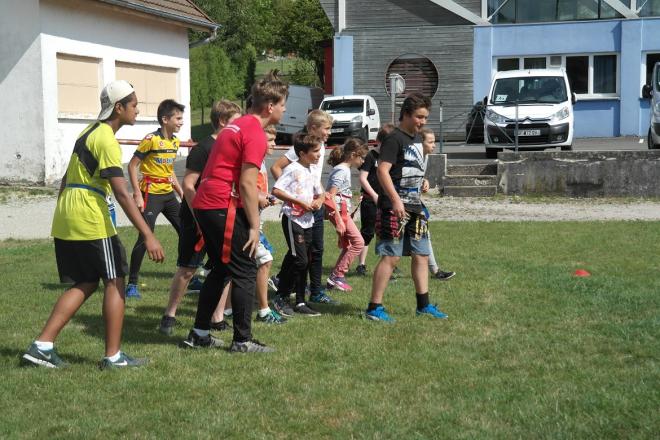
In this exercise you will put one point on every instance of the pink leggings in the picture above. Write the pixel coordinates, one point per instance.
(352, 250)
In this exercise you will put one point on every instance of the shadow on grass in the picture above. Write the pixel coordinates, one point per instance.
(137, 329)
(165, 274)
(11, 354)
(55, 286)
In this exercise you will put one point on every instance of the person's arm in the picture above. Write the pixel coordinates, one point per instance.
(367, 186)
(175, 185)
(339, 223)
(425, 185)
(250, 199)
(385, 180)
(278, 166)
(189, 179)
(154, 249)
(132, 176)
(62, 186)
(286, 197)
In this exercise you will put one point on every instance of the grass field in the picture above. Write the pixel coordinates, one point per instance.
(529, 351)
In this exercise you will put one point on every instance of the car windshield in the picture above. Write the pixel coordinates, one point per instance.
(529, 90)
(343, 106)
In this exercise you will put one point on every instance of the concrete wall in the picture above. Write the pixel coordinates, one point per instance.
(21, 92)
(580, 174)
(82, 28)
(631, 39)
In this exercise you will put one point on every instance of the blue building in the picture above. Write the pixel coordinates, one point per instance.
(607, 47)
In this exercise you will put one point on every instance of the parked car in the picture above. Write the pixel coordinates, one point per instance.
(543, 102)
(474, 126)
(354, 116)
(301, 101)
(652, 92)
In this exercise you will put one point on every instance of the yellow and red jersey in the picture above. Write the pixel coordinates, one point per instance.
(157, 155)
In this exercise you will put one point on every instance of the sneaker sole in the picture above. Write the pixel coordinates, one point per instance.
(376, 319)
(187, 344)
(338, 286)
(431, 316)
(446, 278)
(37, 362)
(309, 314)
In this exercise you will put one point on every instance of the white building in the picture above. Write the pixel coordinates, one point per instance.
(56, 56)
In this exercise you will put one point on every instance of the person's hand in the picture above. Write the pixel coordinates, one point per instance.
(341, 227)
(306, 206)
(263, 202)
(252, 242)
(425, 185)
(316, 203)
(139, 201)
(154, 249)
(398, 209)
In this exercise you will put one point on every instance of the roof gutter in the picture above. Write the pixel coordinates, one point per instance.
(167, 15)
(211, 38)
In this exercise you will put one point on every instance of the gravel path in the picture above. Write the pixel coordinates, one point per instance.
(23, 218)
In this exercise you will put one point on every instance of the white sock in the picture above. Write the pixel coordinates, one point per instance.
(264, 312)
(44, 345)
(115, 357)
(300, 304)
(228, 312)
(201, 333)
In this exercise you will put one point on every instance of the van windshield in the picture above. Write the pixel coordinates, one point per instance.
(529, 90)
(344, 106)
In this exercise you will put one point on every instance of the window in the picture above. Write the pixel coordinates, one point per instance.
(78, 80)
(526, 11)
(418, 71)
(152, 85)
(651, 59)
(590, 75)
(649, 8)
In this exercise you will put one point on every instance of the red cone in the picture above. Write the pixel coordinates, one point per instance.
(582, 273)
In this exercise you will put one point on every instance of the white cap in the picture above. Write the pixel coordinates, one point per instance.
(113, 93)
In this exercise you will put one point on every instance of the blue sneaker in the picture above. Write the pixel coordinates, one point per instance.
(132, 291)
(323, 298)
(432, 310)
(195, 285)
(379, 314)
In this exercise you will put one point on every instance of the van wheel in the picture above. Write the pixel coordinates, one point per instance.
(652, 146)
(566, 148)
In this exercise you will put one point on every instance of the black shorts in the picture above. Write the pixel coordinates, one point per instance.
(187, 240)
(87, 261)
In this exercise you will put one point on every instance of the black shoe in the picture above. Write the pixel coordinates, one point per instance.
(196, 341)
(442, 275)
(282, 306)
(361, 270)
(220, 326)
(252, 346)
(304, 309)
(167, 324)
(396, 273)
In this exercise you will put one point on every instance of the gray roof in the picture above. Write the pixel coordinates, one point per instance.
(181, 11)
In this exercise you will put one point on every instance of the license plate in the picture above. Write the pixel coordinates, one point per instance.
(337, 130)
(529, 132)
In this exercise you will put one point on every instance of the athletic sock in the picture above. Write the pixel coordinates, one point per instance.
(115, 357)
(422, 300)
(372, 306)
(228, 312)
(264, 312)
(201, 333)
(41, 345)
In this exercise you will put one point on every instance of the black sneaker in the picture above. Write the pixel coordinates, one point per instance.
(42, 358)
(282, 306)
(220, 326)
(196, 341)
(167, 324)
(252, 346)
(396, 273)
(361, 270)
(442, 275)
(304, 309)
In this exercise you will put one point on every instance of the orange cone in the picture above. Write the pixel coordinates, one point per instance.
(581, 273)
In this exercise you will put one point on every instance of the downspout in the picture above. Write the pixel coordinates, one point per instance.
(211, 38)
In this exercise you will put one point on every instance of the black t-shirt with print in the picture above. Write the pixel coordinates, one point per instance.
(406, 155)
(196, 161)
(370, 165)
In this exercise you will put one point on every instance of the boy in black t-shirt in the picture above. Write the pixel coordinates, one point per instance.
(190, 259)
(401, 226)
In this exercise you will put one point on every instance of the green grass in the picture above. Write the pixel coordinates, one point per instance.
(284, 66)
(22, 192)
(529, 351)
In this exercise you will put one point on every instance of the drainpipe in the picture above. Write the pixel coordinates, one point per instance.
(211, 38)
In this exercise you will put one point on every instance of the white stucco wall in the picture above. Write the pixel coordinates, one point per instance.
(82, 28)
(21, 92)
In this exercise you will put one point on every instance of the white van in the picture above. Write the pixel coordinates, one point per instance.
(301, 101)
(652, 92)
(543, 102)
(354, 116)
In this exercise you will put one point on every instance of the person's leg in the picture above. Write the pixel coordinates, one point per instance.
(150, 214)
(171, 210)
(113, 314)
(420, 273)
(181, 278)
(348, 254)
(262, 284)
(367, 227)
(66, 306)
(316, 253)
(218, 316)
(381, 278)
(302, 260)
(433, 265)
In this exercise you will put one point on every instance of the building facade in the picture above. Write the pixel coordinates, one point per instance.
(58, 54)
(608, 48)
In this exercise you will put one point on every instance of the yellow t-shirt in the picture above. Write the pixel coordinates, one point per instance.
(157, 155)
(82, 210)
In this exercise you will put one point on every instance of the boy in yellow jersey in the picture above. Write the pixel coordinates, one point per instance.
(87, 247)
(155, 156)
